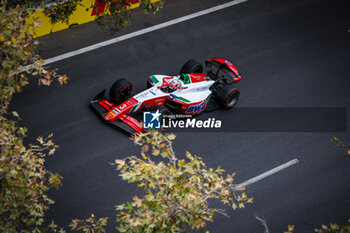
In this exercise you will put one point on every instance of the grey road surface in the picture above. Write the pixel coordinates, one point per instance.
(291, 53)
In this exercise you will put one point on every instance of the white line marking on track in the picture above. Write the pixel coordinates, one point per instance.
(141, 32)
(268, 173)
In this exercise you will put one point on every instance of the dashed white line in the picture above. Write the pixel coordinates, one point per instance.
(141, 32)
(268, 173)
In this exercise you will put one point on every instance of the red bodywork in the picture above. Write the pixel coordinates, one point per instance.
(117, 114)
(230, 66)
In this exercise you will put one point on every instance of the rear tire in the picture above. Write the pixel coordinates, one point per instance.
(120, 91)
(191, 66)
(227, 97)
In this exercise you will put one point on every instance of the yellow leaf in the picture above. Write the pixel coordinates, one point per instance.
(290, 227)
(334, 226)
(181, 163)
(171, 136)
(234, 206)
(188, 155)
(155, 152)
(144, 156)
(15, 114)
(119, 161)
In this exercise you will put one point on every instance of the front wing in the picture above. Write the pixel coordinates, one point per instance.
(124, 121)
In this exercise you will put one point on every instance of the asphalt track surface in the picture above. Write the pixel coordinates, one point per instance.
(292, 54)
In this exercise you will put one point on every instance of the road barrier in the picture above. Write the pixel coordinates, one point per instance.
(84, 13)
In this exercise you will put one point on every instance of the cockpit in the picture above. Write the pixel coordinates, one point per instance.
(171, 86)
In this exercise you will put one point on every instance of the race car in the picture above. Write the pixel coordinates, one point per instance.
(190, 93)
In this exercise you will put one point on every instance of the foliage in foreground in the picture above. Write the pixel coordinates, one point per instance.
(119, 16)
(18, 49)
(264, 223)
(335, 141)
(334, 228)
(89, 225)
(177, 191)
(116, 16)
(24, 180)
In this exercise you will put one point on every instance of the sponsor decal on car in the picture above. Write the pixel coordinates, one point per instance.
(142, 95)
(228, 63)
(196, 108)
(122, 106)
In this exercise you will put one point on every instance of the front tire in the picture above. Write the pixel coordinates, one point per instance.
(191, 66)
(227, 97)
(120, 91)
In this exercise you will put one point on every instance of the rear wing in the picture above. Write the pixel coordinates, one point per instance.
(220, 68)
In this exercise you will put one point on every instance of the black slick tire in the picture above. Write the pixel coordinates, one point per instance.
(191, 66)
(227, 97)
(120, 91)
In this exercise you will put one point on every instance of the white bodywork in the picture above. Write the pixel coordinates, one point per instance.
(194, 93)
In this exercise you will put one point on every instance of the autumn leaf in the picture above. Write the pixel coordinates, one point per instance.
(145, 148)
(52, 151)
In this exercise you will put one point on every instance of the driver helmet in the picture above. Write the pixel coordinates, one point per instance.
(168, 89)
(175, 82)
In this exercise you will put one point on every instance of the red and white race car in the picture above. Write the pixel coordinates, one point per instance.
(189, 93)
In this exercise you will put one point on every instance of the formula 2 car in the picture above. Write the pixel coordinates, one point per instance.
(190, 93)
